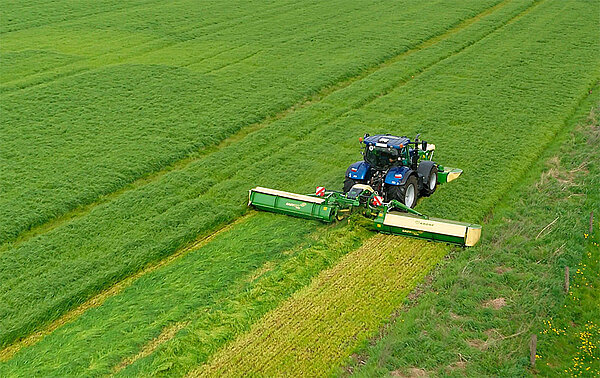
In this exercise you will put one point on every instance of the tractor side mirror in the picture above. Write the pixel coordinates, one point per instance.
(424, 146)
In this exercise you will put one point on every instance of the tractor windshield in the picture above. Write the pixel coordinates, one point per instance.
(381, 156)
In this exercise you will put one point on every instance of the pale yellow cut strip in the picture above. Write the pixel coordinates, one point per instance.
(316, 329)
(166, 334)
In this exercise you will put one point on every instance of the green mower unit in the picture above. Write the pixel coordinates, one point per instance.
(384, 187)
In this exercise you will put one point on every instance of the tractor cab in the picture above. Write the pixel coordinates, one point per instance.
(384, 151)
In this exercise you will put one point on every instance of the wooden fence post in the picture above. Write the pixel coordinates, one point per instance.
(591, 223)
(532, 349)
(566, 279)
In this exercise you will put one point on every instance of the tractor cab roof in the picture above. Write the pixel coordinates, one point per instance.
(386, 141)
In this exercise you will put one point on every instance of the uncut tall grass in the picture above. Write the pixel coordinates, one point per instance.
(99, 95)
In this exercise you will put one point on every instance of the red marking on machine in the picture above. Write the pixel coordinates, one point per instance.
(354, 169)
(398, 175)
(377, 200)
(320, 191)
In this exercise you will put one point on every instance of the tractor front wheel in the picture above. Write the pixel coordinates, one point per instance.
(431, 184)
(407, 193)
(349, 183)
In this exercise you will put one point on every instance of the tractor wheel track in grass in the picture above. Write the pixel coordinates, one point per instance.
(80, 17)
(92, 63)
(145, 47)
(255, 127)
(98, 300)
(84, 209)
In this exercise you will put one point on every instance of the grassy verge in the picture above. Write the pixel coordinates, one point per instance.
(569, 342)
(477, 315)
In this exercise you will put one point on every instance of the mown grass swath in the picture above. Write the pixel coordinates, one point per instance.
(92, 103)
(452, 329)
(150, 222)
(296, 153)
(321, 324)
(212, 293)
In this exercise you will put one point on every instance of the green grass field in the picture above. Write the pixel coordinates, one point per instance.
(453, 329)
(116, 96)
(132, 132)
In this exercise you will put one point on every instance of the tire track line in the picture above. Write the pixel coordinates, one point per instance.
(136, 50)
(165, 335)
(515, 18)
(78, 18)
(98, 299)
(84, 209)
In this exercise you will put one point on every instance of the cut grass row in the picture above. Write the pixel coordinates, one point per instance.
(452, 329)
(51, 273)
(206, 298)
(320, 325)
(120, 96)
(296, 128)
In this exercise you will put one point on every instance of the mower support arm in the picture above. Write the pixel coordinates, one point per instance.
(393, 204)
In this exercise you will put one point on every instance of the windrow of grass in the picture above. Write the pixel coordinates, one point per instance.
(206, 298)
(92, 101)
(482, 306)
(321, 324)
(144, 225)
(314, 145)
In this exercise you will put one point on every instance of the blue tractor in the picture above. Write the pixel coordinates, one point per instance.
(384, 187)
(396, 168)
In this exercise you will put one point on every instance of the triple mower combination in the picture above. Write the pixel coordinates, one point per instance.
(384, 186)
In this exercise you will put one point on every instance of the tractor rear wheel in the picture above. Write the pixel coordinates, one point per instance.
(349, 183)
(407, 193)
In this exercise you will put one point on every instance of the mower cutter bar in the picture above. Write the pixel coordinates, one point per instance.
(443, 230)
(298, 205)
(326, 209)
